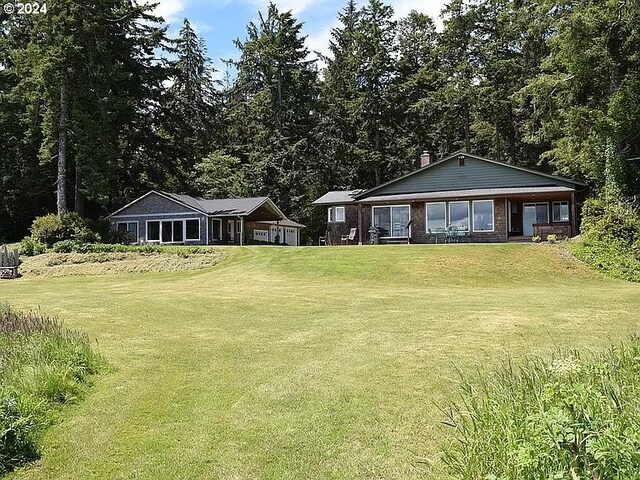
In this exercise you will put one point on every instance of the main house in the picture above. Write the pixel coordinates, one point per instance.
(168, 218)
(482, 200)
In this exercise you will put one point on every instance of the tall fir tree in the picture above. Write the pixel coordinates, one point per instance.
(271, 109)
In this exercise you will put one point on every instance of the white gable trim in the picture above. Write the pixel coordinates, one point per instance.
(157, 193)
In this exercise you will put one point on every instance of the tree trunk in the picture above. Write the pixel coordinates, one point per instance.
(79, 197)
(62, 150)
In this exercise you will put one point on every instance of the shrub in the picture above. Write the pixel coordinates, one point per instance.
(554, 419)
(42, 365)
(50, 229)
(613, 221)
(64, 246)
(536, 239)
(613, 258)
(29, 246)
(551, 238)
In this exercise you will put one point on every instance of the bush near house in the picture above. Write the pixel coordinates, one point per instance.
(610, 239)
(563, 418)
(42, 365)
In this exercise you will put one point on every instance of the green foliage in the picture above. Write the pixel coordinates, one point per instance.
(551, 238)
(42, 365)
(610, 221)
(609, 256)
(536, 239)
(50, 229)
(29, 246)
(610, 238)
(74, 246)
(568, 417)
(221, 176)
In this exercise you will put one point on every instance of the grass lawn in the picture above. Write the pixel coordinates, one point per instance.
(306, 362)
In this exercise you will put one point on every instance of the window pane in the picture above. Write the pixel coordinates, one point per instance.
(560, 211)
(400, 219)
(436, 217)
(483, 216)
(193, 230)
(330, 215)
(167, 231)
(339, 214)
(153, 231)
(238, 227)
(122, 227)
(177, 231)
(459, 215)
(542, 212)
(382, 220)
(132, 228)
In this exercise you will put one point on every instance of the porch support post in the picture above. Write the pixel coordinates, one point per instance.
(207, 222)
(359, 224)
(574, 215)
(278, 232)
(241, 230)
(506, 218)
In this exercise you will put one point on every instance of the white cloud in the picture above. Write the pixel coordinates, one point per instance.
(169, 9)
(296, 6)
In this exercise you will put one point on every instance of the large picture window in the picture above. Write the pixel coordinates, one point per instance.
(436, 216)
(392, 221)
(483, 216)
(459, 215)
(560, 211)
(173, 231)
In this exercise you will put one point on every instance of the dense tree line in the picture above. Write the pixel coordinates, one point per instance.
(98, 104)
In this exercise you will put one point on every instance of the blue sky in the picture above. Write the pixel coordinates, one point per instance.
(219, 22)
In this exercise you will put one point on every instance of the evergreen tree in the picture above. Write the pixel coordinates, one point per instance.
(191, 107)
(272, 108)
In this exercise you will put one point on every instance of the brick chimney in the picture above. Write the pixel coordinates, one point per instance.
(425, 159)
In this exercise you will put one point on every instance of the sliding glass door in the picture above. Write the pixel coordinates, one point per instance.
(534, 213)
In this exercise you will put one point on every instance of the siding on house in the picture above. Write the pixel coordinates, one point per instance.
(448, 175)
(154, 204)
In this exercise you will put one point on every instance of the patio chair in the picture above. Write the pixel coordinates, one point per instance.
(324, 240)
(349, 238)
(452, 234)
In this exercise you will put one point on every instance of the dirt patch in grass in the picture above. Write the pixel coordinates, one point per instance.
(64, 264)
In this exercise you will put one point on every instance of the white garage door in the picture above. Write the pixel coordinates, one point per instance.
(292, 237)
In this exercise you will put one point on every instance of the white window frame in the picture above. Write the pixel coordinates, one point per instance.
(146, 232)
(127, 222)
(426, 214)
(553, 213)
(373, 207)
(184, 231)
(238, 227)
(468, 214)
(332, 214)
(493, 215)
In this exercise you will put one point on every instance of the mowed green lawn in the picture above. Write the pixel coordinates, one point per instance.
(307, 362)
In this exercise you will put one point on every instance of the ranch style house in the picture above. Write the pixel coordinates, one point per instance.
(167, 218)
(462, 197)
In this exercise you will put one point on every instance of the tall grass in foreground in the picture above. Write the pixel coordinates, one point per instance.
(564, 418)
(42, 365)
